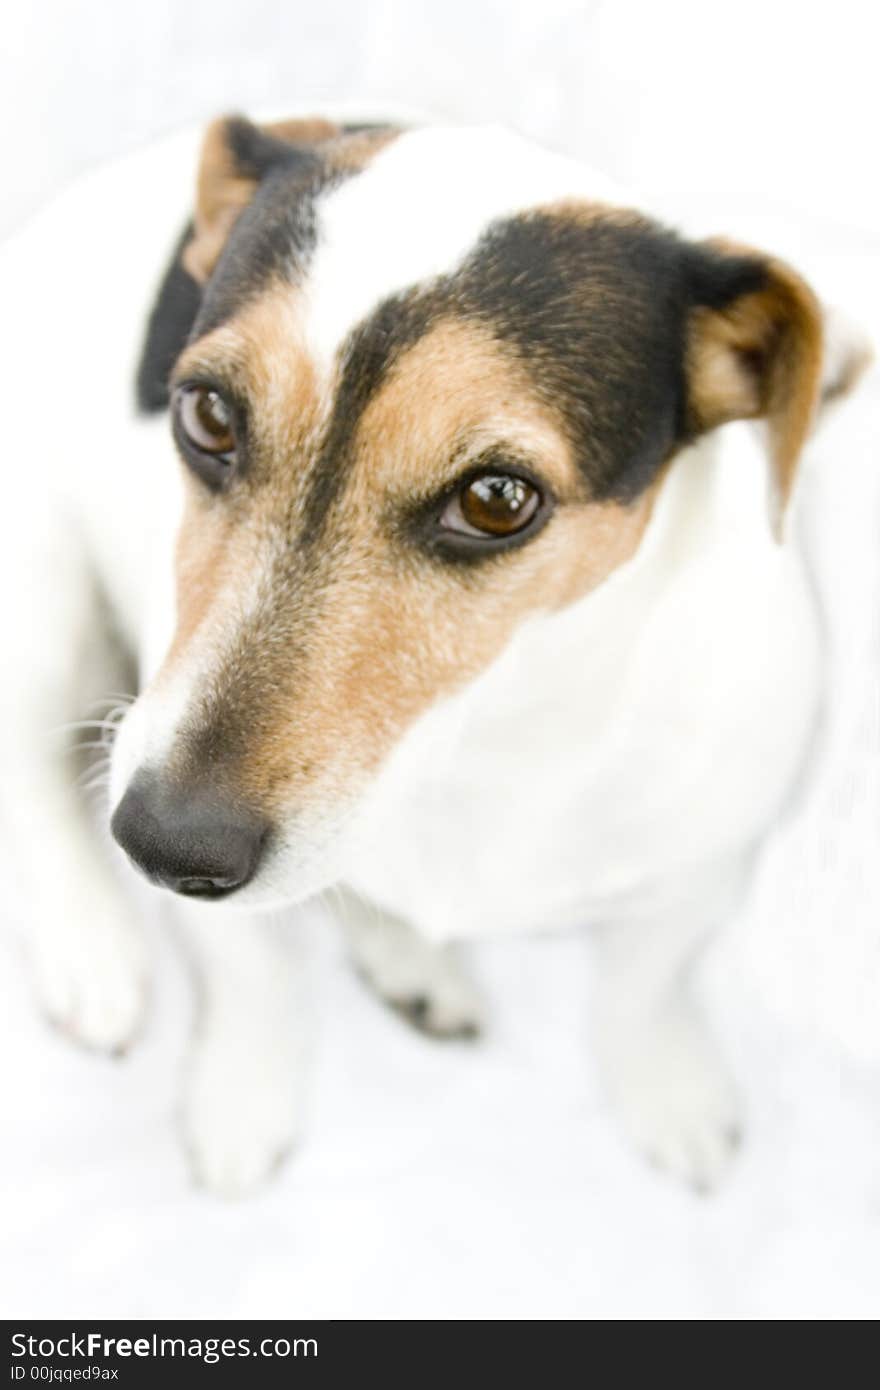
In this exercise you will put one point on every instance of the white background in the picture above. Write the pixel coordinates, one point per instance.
(757, 96)
(455, 1182)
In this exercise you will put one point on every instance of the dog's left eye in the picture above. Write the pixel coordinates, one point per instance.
(493, 506)
(204, 422)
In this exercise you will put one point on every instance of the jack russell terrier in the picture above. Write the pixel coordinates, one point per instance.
(403, 483)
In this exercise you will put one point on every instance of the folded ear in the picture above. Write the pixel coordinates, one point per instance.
(236, 155)
(754, 350)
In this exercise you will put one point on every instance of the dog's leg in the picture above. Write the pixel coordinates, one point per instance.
(85, 944)
(82, 934)
(242, 1095)
(424, 983)
(671, 1088)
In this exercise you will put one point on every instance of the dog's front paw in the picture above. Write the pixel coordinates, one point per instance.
(91, 978)
(424, 983)
(432, 993)
(676, 1099)
(240, 1118)
(440, 1012)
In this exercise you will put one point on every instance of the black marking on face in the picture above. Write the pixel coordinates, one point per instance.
(367, 358)
(168, 329)
(595, 307)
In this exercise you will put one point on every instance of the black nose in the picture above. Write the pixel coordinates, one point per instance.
(188, 840)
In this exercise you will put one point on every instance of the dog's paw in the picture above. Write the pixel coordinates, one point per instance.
(428, 988)
(422, 982)
(676, 1100)
(240, 1118)
(92, 981)
(443, 1012)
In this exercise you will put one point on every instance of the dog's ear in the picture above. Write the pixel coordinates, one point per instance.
(754, 351)
(236, 155)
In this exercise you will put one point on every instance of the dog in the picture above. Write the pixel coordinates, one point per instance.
(393, 457)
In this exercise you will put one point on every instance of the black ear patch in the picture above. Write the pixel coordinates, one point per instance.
(168, 328)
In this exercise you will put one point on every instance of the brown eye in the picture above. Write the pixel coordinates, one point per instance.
(205, 420)
(495, 504)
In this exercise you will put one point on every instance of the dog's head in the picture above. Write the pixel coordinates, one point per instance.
(423, 384)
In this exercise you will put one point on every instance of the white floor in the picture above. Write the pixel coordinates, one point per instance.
(439, 1181)
(487, 1180)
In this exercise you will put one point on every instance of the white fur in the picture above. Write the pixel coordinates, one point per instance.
(615, 766)
(243, 1088)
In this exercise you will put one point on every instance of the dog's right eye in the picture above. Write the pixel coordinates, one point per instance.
(205, 426)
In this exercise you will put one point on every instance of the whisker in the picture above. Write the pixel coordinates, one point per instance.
(114, 698)
(94, 788)
(89, 743)
(78, 724)
(107, 728)
(102, 766)
(95, 784)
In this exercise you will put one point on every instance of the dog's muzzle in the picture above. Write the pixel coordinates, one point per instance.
(188, 840)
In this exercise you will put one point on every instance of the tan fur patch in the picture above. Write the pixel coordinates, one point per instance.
(456, 391)
(262, 351)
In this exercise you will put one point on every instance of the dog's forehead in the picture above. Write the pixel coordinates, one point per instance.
(417, 210)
